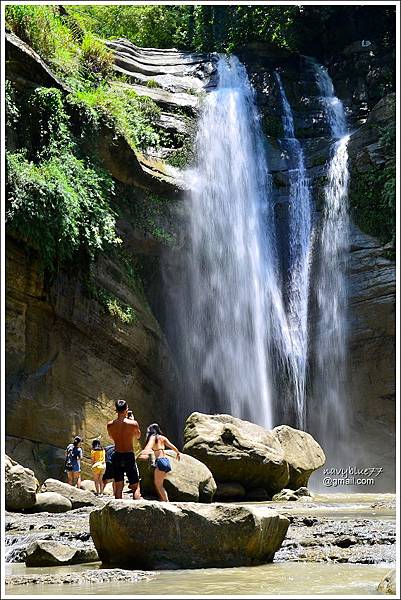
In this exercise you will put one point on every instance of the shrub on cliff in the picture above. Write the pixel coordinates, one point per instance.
(57, 199)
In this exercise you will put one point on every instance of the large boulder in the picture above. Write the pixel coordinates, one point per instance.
(77, 497)
(229, 490)
(188, 481)
(159, 535)
(21, 486)
(47, 553)
(242, 452)
(302, 453)
(51, 502)
(236, 450)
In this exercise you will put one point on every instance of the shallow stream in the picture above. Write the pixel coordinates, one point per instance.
(302, 576)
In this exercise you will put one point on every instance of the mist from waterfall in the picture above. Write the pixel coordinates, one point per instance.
(331, 342)
(230, 311)
(300, 236)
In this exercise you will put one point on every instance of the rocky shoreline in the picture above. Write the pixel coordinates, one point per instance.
(311, 537)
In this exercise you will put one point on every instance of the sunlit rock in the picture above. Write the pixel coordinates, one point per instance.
(20, 486)
(156, 535)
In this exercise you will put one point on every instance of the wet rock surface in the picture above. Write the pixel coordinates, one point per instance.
(359, 541)
(71, 528)
(89, 576)
(46, 553)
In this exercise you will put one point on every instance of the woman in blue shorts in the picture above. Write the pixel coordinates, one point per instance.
(156, 442)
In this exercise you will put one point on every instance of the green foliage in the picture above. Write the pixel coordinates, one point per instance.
(50, 122)
(12, 110)
(42, 28)
(372, 197)
(151, 83)
(111, 304)
(134, 116)
(124, 313)
(96, 58)
(152, 25)
(57, 200)
(151, 214)
(60, 206)
(182, 157)
(303, 28)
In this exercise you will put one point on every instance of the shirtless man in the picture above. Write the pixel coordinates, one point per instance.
(123, 430)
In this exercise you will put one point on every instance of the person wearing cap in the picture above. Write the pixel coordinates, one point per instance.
(73, 455)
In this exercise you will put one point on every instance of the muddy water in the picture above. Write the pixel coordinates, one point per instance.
(273, 579)
(339, 506)
(290, 574)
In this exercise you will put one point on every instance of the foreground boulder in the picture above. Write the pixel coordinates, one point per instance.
(77, 497)
(158, 535)
(188, 481)
(47, 553)
(21, 486)
(51, 502)
(242, 452)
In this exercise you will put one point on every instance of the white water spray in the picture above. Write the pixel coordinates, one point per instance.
(331, 347)
(232, 315)
(300, 235)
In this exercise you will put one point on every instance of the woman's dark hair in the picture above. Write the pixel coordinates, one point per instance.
(153, 429)
(77, 440)
(96, 445)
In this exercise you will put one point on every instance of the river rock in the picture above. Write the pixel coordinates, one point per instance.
(51, 502)
(285, 496)
(237, 450)
(89, 486)
(158, 535)
(47, 553)
(302, 453)
(91, 576)
(20, 486)
(188, 481)
(77, 497)
(388, 583)
(230, 489)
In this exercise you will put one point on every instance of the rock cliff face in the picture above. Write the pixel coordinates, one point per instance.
(69, 359)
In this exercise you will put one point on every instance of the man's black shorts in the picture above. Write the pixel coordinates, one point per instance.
(124, 462)
(109, 472)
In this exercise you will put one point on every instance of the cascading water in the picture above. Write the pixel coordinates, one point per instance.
(300, 235)
(331, 343)
(231, 312)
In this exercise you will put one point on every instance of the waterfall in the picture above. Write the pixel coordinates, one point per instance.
(230, 312)
(300, 235)
(331, 344)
